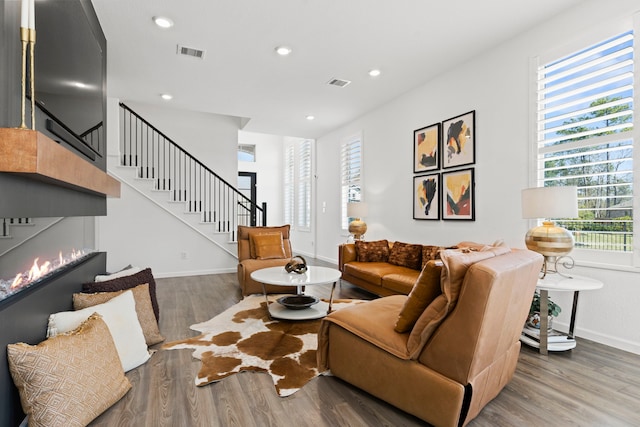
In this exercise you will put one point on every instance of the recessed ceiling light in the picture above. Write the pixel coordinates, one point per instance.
(310, 117)
(374, 73)
(163, 22)
(166, 96)
(80, 85)
(283, 50)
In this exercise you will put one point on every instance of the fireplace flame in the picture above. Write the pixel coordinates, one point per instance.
(39, 270)
(16, 282)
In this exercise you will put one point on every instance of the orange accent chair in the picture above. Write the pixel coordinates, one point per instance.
(262, 247)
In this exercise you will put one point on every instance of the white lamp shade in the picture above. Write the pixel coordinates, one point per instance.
(357, 209)
(550, 202)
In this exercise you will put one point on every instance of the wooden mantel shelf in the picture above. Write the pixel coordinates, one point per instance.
(29, 152)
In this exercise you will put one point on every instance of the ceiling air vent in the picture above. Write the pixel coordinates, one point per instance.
(338, 82)
(190, 51)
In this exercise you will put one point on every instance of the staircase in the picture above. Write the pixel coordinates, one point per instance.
(16, 231)
(165, 173)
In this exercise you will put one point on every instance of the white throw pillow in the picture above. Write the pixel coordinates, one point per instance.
(120, 315)
(122, 273)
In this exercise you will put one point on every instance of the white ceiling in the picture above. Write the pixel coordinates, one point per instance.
(411, 41)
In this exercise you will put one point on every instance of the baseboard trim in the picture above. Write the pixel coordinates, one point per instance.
(310, 255)
(193, 273)
(615, 342)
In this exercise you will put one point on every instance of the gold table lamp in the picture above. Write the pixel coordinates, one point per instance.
(357, 227)
(551, 241)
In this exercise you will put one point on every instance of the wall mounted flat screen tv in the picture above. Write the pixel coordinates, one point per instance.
(70, 69)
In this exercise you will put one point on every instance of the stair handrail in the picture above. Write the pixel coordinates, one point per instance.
(205, 167)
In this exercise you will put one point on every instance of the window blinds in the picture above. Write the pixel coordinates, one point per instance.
(585, 118)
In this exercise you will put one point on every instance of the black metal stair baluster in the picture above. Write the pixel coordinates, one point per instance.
(146, 156)
(179, 177)
(200, 189)
(156, 156)
(130, 141)
(165, 145)
(123, 137)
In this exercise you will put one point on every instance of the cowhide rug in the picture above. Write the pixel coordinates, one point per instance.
(244, 338)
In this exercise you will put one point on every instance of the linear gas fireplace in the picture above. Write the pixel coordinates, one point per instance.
(40, 272)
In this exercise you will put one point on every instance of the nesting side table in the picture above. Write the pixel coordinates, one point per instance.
(558, 282)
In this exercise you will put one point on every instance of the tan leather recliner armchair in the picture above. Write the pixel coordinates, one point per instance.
(248, 262)
(445, 375)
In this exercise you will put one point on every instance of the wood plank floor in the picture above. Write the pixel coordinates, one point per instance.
(592, 385)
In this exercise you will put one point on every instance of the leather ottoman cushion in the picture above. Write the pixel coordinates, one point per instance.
(357, 320)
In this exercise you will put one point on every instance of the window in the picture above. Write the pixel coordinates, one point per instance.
(297, 183)
(585, 123)
(351, 174)
(289, 189)
(303, 213)
(246, 153)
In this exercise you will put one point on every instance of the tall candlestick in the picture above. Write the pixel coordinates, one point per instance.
(32, 15)
(32, 48)
(24, 17)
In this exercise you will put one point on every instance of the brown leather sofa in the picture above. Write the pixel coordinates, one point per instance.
(250, 259)
(382, 278)
(462, 349)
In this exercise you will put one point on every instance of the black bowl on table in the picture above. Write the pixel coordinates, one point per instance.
(298, 302)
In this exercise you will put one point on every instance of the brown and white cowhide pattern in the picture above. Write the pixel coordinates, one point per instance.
(244, 338)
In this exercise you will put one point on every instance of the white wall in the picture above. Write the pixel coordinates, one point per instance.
(268, 168)
(496, 85)
(135, 231)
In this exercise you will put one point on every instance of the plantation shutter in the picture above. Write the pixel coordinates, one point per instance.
(304, 186)
(584, 138)
(351, 169)
(289, 189)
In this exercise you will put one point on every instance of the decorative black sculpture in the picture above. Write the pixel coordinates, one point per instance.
(297, 265)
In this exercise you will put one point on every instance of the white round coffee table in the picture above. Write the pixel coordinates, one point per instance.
(278, 276)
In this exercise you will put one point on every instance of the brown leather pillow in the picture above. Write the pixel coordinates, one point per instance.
(376, 251)
(268, 245)
(406, 255)
(426, 289)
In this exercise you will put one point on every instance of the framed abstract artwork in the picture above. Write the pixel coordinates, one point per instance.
(426, 196)
(426, 148)
(458, 196)
(459, 140)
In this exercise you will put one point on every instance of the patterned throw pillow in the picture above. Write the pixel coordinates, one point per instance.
(430, 253)
(128, 282)
(144, 309)
(377, 251)
(406, 255)
(71, 379)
